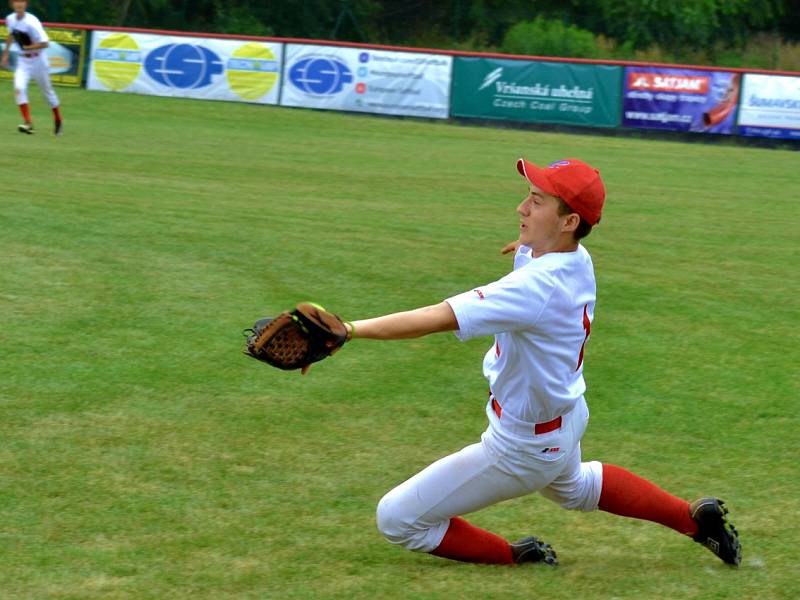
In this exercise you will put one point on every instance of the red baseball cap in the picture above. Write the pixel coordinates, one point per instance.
(572, 180)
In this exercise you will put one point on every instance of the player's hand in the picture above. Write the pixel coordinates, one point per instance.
(349, 328)
(4, 62)
(510, 247)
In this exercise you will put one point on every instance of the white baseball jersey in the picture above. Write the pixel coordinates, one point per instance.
(540, 315)
(29, 24)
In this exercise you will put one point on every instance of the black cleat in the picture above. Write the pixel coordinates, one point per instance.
(57, 128)
(25, 128)
(530, 549)
(714, 531)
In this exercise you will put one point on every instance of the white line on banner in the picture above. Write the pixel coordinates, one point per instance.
(540, 97)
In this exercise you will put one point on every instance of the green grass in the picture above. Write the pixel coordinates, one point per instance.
(143, 456)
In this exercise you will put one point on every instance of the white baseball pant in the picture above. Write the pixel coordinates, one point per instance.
(37, 68)
(416, 514)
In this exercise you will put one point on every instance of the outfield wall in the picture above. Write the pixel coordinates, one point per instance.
(427, 83)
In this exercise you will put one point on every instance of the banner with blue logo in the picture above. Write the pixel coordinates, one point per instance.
(188, 67)
(770, 106)
(367, 80)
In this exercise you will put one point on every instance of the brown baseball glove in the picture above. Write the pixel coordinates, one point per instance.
(295, 339)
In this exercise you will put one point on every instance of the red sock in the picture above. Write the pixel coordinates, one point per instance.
(26, 113)
(629, 495)
(468, 543)
(56, 114)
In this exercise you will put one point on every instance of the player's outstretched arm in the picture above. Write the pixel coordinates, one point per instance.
(408, 324)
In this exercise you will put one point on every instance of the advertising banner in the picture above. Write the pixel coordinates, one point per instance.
(519, 90)
(66, 54)
(680, 99)
(187, 67)
(770, 106)
(367, 80)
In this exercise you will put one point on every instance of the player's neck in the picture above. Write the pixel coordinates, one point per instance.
(567, 245)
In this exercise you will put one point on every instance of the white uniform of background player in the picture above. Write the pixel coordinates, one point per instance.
(31, 64)
(540, 315)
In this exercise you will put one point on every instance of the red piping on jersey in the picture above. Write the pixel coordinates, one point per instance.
(587, 327)
(498, 410)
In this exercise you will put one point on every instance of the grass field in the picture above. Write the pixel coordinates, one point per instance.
(144, 457)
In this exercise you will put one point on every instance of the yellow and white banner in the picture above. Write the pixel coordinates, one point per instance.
(187, 67)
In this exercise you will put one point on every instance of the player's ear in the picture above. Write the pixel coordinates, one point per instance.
(571, 223)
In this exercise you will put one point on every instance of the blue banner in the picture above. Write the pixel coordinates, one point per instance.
(680, 99)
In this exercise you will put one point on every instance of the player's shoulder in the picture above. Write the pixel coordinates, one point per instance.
(32, 19)
(585, 257)
(535, 274)
(11, 19)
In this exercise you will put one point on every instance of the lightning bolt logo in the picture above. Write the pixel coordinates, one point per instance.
(491, 78)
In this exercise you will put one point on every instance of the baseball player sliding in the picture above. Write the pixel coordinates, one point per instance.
(26, 33)
(540, 315)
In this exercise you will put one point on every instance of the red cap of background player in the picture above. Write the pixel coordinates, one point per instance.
(575, 182)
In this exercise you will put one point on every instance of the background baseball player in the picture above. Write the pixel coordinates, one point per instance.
(540, 315)
(29, 39)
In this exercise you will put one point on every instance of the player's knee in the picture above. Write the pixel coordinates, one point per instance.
(389, 521)
(396, 526)
(583, 492)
